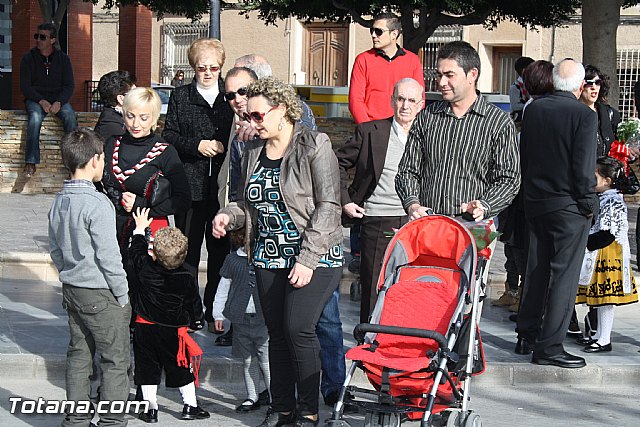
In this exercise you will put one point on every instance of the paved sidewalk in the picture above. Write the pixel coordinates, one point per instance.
(34, 333)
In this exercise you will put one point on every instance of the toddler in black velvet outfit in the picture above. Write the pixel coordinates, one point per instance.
(166, 299)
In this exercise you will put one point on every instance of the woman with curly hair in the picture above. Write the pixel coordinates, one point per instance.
(291, 212)
(594, 96)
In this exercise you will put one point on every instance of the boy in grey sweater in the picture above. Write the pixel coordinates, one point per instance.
(94, 285)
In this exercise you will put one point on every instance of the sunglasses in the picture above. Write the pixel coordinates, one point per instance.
(203, 68)
(42, 37)
(378, 31)
(230, 96)
(589, 83)
(257, 116)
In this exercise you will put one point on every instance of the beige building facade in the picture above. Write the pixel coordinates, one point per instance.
(322, 54)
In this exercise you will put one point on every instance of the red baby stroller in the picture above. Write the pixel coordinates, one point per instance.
(422, 345)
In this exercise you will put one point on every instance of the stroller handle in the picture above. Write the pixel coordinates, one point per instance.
(362, 328)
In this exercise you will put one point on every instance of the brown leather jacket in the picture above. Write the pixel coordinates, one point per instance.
(310, 186)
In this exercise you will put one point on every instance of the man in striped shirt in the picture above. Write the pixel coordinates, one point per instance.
(462, 154)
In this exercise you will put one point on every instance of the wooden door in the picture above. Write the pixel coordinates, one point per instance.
(326, 55)
(504, 73)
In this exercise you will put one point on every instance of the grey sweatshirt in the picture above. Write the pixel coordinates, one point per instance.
(82, 240)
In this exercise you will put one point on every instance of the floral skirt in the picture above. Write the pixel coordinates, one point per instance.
(606, 287)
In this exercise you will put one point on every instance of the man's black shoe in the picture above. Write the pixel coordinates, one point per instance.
(225, 340)
(332, 398)
(274, 419)
(523, 346)
(264, 398)
(562, 360)
(151, 416)
(194, 413)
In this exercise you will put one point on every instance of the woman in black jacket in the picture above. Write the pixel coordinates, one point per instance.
(594, 96)
(134, 162)
(198, 124)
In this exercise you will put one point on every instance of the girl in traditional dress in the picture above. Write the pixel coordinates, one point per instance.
(606, 279)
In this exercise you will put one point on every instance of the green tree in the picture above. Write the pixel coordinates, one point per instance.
(600, 20)
(420, 18)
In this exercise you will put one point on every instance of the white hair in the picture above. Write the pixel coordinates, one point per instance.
(568, 75)
(257, 63)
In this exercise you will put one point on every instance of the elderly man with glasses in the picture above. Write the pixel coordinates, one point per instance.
(46, 81)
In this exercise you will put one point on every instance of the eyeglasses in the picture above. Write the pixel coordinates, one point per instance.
(203, 68)
(230, 96)
(589, 83)
(377, 31)
(257, 116)
(38, 36)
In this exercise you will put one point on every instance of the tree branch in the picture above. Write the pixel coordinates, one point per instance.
(354, 14)
(470, 19)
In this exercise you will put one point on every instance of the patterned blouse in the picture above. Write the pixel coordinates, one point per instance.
(277, 239)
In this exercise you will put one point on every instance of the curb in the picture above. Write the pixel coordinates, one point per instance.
(228, 370)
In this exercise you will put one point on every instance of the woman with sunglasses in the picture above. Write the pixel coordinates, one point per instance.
(291, 210)
(198, 124)
(594, 96)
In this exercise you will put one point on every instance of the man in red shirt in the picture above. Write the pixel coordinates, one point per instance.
(377, 70)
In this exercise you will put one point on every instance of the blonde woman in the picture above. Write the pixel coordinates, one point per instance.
(137, 158)
(290, 205)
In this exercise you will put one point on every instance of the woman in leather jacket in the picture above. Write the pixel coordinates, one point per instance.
(291, 212)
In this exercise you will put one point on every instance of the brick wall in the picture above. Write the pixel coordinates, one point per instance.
(51, 172)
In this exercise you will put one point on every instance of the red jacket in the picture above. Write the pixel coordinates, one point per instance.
(372, 80)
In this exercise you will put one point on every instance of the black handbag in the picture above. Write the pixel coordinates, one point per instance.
(157, 190)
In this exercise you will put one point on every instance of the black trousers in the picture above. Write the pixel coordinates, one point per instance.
(373, 244)
(196, 225)
(155, 348)
(557, 241)
(291, 315)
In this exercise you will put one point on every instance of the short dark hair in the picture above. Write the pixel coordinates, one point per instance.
(170, 247)
(538, 78)
(48, 26)
(611, 168)
(79, 146)
(393, 22)
(238, 70)
(115, 83)
(236, 237)
(522, 63)
(463, 53)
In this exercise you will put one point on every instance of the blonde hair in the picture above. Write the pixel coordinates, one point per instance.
(142, 97)
(277, 92)
(170, 247)
(200, 46)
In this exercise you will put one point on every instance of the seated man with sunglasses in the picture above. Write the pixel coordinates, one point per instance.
(377, 70)
(46, 81)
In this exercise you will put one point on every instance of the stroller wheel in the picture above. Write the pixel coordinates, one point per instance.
(382, 419)
(456, 420)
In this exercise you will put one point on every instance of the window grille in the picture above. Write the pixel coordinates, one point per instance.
(628, 68)
(443, 35)
(175, 41)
